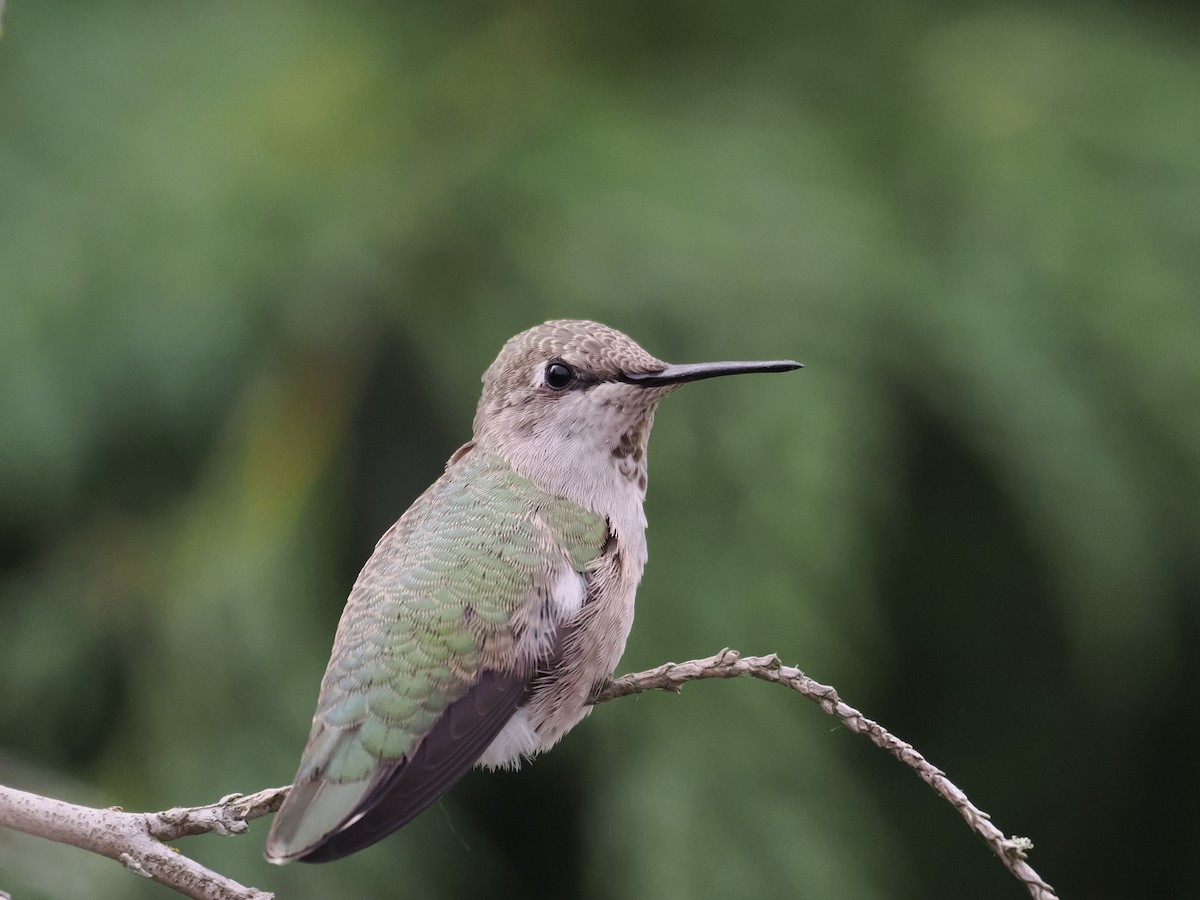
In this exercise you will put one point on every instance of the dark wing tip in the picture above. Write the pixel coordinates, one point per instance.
(402, 789)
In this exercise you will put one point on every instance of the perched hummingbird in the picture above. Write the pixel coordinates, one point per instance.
(489, 613)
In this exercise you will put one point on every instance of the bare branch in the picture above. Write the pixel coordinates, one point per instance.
(228, 815)
(137, 840)
(731, 664)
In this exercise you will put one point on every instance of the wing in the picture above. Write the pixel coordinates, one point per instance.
(445, 628)
(404, 787)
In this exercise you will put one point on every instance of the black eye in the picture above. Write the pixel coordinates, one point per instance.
(559, 375)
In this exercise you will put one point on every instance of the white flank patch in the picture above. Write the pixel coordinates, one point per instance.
(516, 740)
(566, 595)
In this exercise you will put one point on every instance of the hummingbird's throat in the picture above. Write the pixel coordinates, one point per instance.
(629, 452)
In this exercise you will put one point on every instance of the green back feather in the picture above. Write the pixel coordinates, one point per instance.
(435, 604)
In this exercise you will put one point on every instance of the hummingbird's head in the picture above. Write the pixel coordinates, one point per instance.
(557, 395)
(570, 404)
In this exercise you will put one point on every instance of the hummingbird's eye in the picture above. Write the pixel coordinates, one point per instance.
(559, 375)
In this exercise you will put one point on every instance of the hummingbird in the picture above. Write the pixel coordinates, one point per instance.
(488, 615)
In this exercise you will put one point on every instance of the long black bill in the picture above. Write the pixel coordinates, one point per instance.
(697, 371)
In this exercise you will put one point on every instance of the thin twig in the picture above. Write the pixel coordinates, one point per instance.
(731, 664)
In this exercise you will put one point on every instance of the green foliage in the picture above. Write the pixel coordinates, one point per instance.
(254, 258)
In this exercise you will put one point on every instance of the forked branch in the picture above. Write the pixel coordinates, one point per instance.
(139, 841)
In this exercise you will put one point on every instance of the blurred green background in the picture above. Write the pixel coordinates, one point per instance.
(255, 257)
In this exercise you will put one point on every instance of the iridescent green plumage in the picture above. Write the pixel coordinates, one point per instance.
(444, 598)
